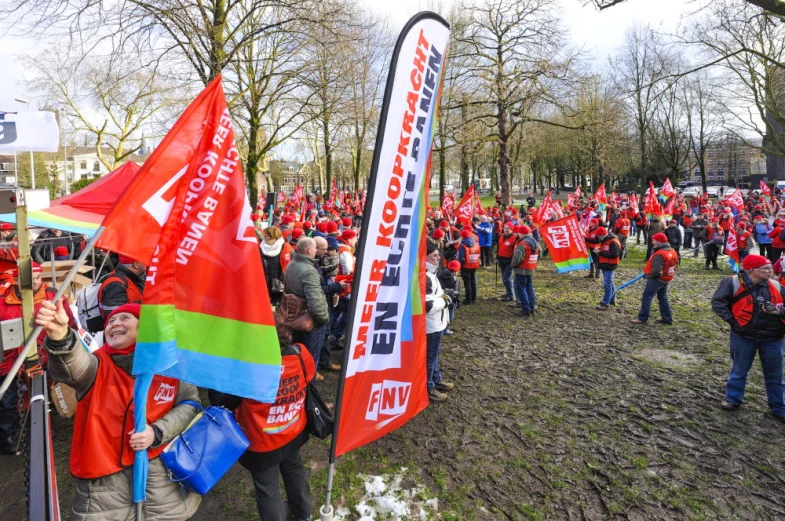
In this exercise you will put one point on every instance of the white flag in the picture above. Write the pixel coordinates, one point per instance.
(23, 131)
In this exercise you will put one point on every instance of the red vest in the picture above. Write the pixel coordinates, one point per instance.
(529, 261)
(742, 240)
(105, 415)
(471, 256)
(507, 246)
(743, 308)
(270, 426)
(622, 226)
(671, 260)
(606, 247)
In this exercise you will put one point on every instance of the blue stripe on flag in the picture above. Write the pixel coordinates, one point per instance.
(245, 379)
(574, 267)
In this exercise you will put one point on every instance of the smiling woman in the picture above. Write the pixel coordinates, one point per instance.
(102, 449)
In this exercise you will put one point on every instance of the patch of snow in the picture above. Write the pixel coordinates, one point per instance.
(386, 499)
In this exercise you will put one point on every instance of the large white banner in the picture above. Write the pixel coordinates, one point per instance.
(24, 131)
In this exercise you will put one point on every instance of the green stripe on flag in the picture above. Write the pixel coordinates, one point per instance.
(572, 262)
(209, 334)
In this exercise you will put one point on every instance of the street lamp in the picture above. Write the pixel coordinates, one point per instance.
(32, 165)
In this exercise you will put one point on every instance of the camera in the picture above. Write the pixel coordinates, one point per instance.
(770, 308)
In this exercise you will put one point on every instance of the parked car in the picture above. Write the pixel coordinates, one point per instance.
(691, 190)
(713, 191)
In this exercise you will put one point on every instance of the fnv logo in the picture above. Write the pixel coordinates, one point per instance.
(388, 400)
(165, 393)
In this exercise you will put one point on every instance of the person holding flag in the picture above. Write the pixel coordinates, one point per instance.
(659, 271)
(524, 262)
(102, 449)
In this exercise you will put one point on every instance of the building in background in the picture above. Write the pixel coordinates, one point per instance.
(730, 162)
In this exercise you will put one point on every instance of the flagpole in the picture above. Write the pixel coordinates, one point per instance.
(31, 340)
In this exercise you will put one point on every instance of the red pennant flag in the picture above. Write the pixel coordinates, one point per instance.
(736, 199)
(764, 188)
(652, 205)
(732, 247)
(600, 197)
(465, 210)
(281, 197)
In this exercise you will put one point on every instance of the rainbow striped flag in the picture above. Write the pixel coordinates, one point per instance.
(206, 317)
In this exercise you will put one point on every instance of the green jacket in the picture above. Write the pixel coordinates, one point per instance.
(302, 280)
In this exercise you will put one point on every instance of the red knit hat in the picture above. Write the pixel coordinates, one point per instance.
(348, 234)
(307, 225)
(438, 233)
(347, 222)
(454, 265)
(659, 237)
(296, 234)
(332, 227)
(444, 224)
(287, 219)
(467, 228)
(466, 233)
(133, 309)
(524, 230)
(36, 269)
(604, 231)
(594, 222)
(715, 219)
(321, 227)
(6, 226)
(61, 251)
(509, 225)
(753, 261)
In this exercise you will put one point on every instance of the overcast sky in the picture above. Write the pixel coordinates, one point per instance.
(599, 33)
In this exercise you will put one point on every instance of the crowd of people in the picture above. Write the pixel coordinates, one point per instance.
(308, 251)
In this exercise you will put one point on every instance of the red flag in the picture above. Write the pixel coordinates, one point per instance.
(281, 197)
(465, 210)
(667, 189)
(764, 188)
(539, 216)
(572, 199)
(448, 204)
(736, 199)
(478, 205)
(600, 197)
(732, 247)
(669, 207)
(566, 244)
(652, 205)
(191, 225)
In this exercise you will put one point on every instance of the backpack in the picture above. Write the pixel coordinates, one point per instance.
(88, 309)
(87, 304)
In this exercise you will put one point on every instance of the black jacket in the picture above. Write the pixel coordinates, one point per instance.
(614, 252)
(674, 236)
(761, 325)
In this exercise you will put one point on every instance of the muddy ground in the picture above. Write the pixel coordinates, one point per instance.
(574, 414)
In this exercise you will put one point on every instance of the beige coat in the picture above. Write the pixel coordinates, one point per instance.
(110, 498)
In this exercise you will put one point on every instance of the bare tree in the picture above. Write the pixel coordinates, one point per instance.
(112, 101)
(517, 52)
(703, 115)
(776, 7)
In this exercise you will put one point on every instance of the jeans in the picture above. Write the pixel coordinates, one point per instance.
(742, 353)
(9, 416)
(314, 340)
(434, 346)
(697, 245)
(767, 251)
(341, 315)
(610, 289)
(660, 289)
(506, 268)
(524, 287)
(295, 480)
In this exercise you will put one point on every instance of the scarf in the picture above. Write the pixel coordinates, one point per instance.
(272, 250)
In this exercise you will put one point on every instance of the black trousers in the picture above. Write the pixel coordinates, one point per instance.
(470, 284)
(486, 255)
(268, 493)
(712, 252)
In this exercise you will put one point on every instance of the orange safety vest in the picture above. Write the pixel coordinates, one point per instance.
(743, 308)
(270, 426)
(671, 260)
(471, 257)
(287, 252)
(606, 247)
(529, 261)
(105, 415)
